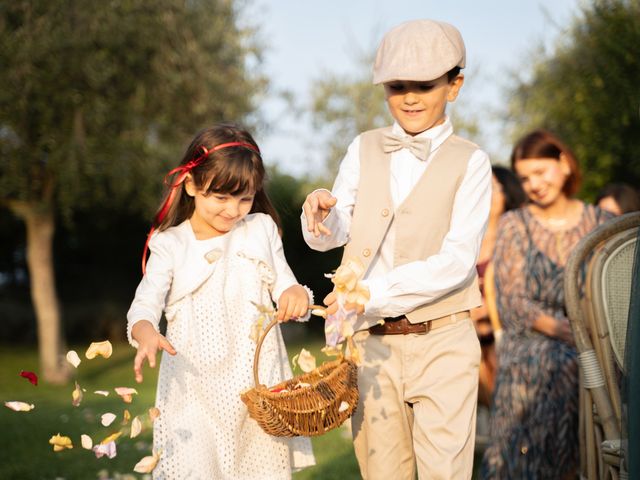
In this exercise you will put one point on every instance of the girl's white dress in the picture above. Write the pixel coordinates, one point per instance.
(204, 430)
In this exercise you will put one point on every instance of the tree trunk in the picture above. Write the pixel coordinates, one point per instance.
(40, 225)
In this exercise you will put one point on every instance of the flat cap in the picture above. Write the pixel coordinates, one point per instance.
(419, 50)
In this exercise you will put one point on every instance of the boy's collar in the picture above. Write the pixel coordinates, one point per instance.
(437, 134)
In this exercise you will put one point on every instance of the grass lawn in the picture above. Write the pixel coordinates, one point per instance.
(25, 453)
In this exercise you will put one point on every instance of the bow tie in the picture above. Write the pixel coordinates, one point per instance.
(419, 146)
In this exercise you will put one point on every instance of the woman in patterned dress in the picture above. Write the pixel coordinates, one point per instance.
(534, 422)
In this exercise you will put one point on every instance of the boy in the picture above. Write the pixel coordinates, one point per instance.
(411, 201)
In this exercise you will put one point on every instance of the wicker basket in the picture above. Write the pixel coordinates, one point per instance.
(330, 398)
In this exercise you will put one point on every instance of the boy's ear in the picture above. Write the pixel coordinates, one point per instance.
(454, 87)
(189, 186)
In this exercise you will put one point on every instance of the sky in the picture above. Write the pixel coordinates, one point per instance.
(306, 39)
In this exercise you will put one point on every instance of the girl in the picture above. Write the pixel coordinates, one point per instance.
(216, 257)
(534, 423)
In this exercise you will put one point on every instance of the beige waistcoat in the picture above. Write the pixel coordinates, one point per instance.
(421, 221)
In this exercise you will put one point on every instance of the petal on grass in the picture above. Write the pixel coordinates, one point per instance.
(126, 393)
(104, 393)
(104, 349)
(136, 427)
(147, 464)
(108, 449)
(73, 358)
(107, 419)
(126, 416)
(76, 396)
(19, 406)
(86, 442)
(60, 442)
(32, 377)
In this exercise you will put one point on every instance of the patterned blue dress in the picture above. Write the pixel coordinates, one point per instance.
(534, 422)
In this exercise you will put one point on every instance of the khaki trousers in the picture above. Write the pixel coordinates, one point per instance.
(418, 397)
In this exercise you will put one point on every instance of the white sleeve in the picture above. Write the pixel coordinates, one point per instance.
(345, 189)
(283, 273)
(151, 294)
(417, 283)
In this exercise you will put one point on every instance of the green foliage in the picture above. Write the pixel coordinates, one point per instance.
(98, 98)
(586, 90)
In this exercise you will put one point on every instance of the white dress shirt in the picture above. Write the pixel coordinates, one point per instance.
(398, 290)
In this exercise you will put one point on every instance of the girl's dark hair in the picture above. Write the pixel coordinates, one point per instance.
(544, 144)
(230, 170)
(627, 197)
(514, 195)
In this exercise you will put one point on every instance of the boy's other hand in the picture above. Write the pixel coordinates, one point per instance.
(316, 208)
(149, 342)
(331, 301)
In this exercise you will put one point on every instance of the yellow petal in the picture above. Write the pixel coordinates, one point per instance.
(110, 438)
(107, 419)
(320, 312)
(136, 427)
(347, 329)
(76, 396)
(306, 361)
(104, 393)
(60, 442)
(331, 351)
(126, 416)
(103, 349)
(86, 442)
(154, 413)
(19, 406)
(147, 464)
(73, 358)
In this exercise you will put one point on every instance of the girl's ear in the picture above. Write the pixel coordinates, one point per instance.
(190, 186)
(564, 165)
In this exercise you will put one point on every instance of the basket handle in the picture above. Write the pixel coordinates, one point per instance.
(271, 324)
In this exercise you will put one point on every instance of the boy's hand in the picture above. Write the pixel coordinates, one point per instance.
(149, 342)
(293, 303)
(331, 301)
(316, 208)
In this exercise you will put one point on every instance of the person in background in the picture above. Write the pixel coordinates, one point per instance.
(618, 198)
(534, 420)
(506, 194)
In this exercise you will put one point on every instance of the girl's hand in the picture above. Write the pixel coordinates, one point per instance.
(331, 301)
(149, 342)
(292, 304)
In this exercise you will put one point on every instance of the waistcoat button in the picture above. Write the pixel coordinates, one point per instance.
(385, 212)
(366, 252)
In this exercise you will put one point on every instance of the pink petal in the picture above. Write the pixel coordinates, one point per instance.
(108, 449)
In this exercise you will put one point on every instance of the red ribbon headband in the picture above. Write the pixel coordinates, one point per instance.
(183, 171)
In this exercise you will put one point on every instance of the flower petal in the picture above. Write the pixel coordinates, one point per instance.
(73, 358)
(154, 412)
(107, 419)
(103, 349)
(32, 377)
(104, 393)
(108, 449)
(343, 406)
(126, 416)
(136, 427)
(306, 361)
(60, 442)
(19, 406)
(86, 442)
(126, 393)
(76, 396)
(147, 464)
(111, 438)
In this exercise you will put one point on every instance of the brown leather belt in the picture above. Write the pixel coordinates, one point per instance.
(402, 326)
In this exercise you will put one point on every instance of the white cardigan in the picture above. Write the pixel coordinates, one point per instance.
(179, 264)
